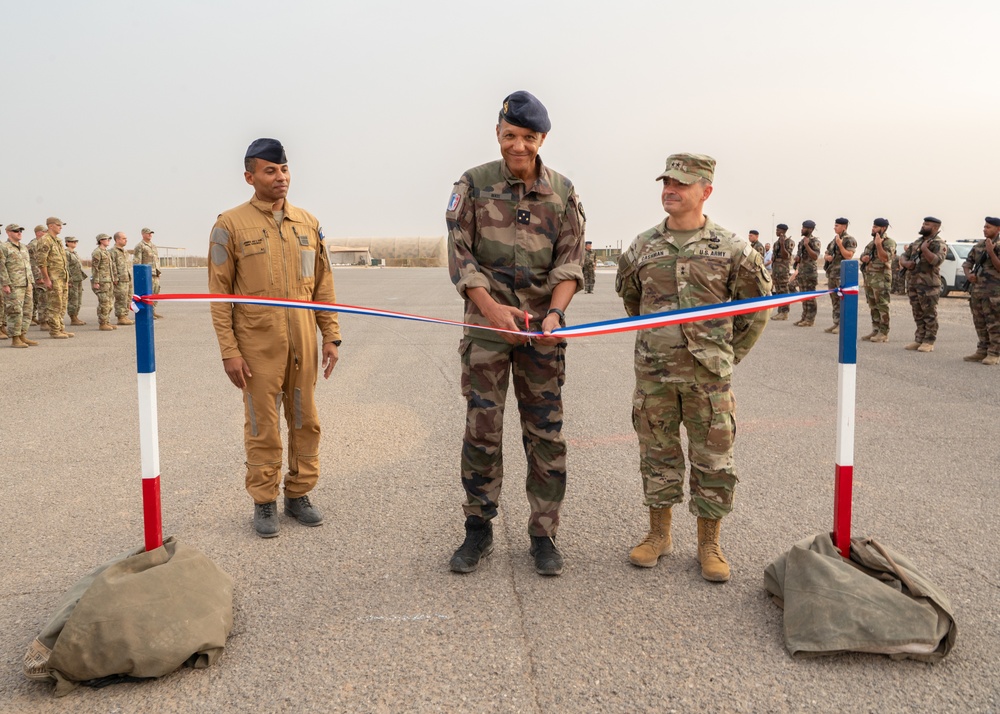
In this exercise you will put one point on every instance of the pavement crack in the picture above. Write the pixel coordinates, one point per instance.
(526, 643)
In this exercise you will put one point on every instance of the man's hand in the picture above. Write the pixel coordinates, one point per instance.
(507, 317)
(47, 282)
(330, 356)
(238, 371)
(96, 286)
(6, 289)
(550, 323)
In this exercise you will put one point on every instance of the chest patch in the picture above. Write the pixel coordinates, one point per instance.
(523, 216)
(651, 256)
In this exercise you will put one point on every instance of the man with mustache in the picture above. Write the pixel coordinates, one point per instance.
(922, 260)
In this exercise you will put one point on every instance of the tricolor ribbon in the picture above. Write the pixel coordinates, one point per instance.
(604, 327)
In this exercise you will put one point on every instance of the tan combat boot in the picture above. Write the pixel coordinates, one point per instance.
(976, 356)
(16, 342)
(125, 321)
(806, 323)
(870, 337)
(657, 542)
(156, 315)
(25, 340)
(913, 346)
(714, 566)
(76, 321)
(3, 333)
(833, 329)
(880, 338)
(925, 347)
(991, 359)
(105, 327)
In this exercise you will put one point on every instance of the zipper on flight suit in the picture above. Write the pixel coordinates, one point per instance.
(270, 268)
(288, 321)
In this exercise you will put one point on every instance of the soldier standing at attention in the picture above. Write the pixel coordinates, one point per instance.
(982, 270)
(515, 247)
(841, 248)
(102, 281)
(16, 282)
(121, 274)
(806, 273)
(877, 262)
(146, 254)
(684, 372)
(784, 250)
(54, 267)
(39, 288)
(754, 238)
(589, 267)
(76, 278)
(922, 260)
(269, 247)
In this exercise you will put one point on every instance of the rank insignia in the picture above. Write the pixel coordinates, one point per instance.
(523, 216)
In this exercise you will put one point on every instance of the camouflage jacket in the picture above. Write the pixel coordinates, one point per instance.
(874, 265)
(784, 250)
(51, 254)
(804, 264)
(516, 242)
(988, 277)
(76, 274)
(15, 265)
(121, 265)
(147, 254)
(32, 246)
(589, 260)
(657, 273)
(101, 269)
(833, 267)
(924, 273)
(759, 247)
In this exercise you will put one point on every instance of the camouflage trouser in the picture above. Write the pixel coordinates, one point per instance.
(156, 289)
(75, 298)
(780, 277)
(877, 288)
(55, 305)
(806, 283)
(923, 302)
(18, 308)
(123, 297)
(708, 412)
(589, 276)
(832, 283)
(985, 305)
(897, 282)
(105, 301)
(40, 303)
(538, 372)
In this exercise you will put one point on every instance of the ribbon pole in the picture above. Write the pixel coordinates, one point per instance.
(847, 369)
(149, 445)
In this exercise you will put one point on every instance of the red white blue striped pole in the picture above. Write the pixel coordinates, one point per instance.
(847, 382)
(149, 445)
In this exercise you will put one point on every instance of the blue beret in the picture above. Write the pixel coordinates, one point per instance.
(523, 109)
(881, 222)
(782, 226)
(842, 221)
(755, 232)
(993, 221)
(808, 224)
(932, 219)
(267, 149)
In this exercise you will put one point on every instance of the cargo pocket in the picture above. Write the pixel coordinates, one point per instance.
(307, 259)
(464, 346)
(639, 421)
(722, 429)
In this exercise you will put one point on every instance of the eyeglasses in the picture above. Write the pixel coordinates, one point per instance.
(19, 230)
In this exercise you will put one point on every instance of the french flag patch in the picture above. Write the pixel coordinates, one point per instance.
(454, 201)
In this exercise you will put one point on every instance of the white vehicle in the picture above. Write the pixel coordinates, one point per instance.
(952, 275)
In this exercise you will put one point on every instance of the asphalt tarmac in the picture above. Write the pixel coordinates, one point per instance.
(362, 614)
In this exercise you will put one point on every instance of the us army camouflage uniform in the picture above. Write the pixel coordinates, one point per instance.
(833, 269)
(759, 247)
(878, 284)
(784, 250)
(589, 270)
(683, 372)
(984, 299)
(102, 274)
(76, 278)
(807, 276)
(518, 243)
(147, 254)
(924, 287)
(15, 273)
(51, 254)
(121, 271)
(38, 290)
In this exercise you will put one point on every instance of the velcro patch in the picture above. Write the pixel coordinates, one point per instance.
(220, 235)
(454, 202)
(523, 216)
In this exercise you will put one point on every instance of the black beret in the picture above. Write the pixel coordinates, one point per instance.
(523, 109)
(932, 219)
(782, 226)
(842, 221)
(755, 232)
(881, 222)
(808, 224)
(267, 149)
(993, 221)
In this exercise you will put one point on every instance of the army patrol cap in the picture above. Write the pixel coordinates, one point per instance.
(147, 230)
(688, 168)
(993, 221)
(102, 236)
(842, 222)
(932, 219)
(267, 149)
(881, 222)
(14, 228)
(70, 239)
(51, 220)
(781, 226)
(40, 228)
(808, 224)
(524, 110)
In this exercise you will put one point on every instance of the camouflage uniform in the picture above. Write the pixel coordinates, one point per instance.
(76, 278)
(784, 249)
(984, 299)
(924, 287)
(15, 273)
(898, 282)
(518, 243)
(51, 255)
(38, 290)
(102, 273)
(683, 372)
(807, 276)
(121, 271)
(833, 269)
(147, 254)
(878, 284)
(589, 270)
(759, 247)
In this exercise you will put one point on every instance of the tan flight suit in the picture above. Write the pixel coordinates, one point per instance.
(249, 254)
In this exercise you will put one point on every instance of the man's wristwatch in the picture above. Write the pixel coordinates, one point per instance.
(336, 343)
(560, 313)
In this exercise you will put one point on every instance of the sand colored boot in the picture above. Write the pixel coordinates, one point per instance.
(881, 337)
(25, 340)
(125, 321)
(15, 341)
(74, 320)
(913, 346)
(657, 542)
(926, 347)
(714, 566)
(976, 356)
(991, 360)
(832, 329)
(105, 327)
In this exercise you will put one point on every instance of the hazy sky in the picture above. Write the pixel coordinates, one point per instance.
(118, 115)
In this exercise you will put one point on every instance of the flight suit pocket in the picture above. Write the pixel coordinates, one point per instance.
(722, 428)
(307, 260)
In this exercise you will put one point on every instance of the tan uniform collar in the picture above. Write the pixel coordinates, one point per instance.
(697, 236)
(291, 212)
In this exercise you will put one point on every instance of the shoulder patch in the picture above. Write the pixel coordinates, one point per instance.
(220, 235)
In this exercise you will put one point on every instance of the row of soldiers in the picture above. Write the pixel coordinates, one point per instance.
(42, 281)
(794, 268)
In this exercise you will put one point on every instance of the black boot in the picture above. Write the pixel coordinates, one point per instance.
(265, 519)
(478, 544)
(548, 559)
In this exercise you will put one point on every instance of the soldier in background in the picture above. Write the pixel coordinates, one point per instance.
(754, 238)
(54, 267)
(16, 281)
(922, 260)
(876, 261)
(898, 278)
(589, 267)
(684, 372)
(841, 248)
(145, 253)
(806, 272)
(102, 281)
(76, 278)
(121, 274)
(38, 318)
(531, 207)
(982, 270)
(783, 252)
